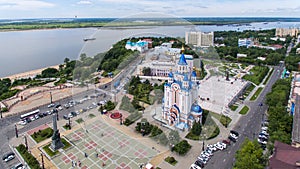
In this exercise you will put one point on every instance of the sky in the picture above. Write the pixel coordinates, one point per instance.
(19, 9)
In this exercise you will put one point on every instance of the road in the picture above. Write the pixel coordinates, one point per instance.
(7, 124)
(248, 126)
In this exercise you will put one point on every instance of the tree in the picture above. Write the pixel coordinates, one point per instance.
(250, 156)
(182, 147)
(147, 71)
(66, 60)
(49, 72)
(196, 128)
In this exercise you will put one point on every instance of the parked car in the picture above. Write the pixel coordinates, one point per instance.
(265, 133)
(32, 118)
(70, 115)
(66, 117)
(261, 141)
(51, 105)
(74, 114)
(22, 122)
(18, 166)
(226, 142)
(194, 166)
(234, 136)
(211, 147)
(36, 116)
(264, 128)
(199, 163)
(9, 156)
(232, 139)
(234, 132)
(45, 113)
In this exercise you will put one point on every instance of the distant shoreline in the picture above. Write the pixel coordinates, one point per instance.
(30, 73)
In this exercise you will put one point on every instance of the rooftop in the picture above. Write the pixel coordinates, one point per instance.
(285, 156)
(296, 121)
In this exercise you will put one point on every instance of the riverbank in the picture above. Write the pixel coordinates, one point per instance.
(31, 73)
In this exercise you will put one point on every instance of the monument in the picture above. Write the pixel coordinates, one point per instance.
(56, 141)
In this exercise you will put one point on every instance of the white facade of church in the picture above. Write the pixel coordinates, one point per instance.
(180, 106)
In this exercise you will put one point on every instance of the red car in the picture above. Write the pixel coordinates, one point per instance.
(226, 141)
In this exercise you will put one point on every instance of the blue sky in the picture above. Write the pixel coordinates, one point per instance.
(12, 9)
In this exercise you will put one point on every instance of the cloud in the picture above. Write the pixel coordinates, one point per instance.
(83, 2)
(24, 4)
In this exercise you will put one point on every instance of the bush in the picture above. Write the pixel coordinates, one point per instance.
(29, 158)
(182, 147)
(171, 160)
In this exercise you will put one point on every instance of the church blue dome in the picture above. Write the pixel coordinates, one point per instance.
(194, 74)
(171, 74)
(196, 108)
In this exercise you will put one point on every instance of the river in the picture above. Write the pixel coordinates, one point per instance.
(22, 51)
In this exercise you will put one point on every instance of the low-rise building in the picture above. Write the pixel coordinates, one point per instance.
(247, 42)
(141, 46)
(240, 55)
(284, 157)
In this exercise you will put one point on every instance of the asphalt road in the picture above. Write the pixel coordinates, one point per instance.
(248, 126)
(7, 124)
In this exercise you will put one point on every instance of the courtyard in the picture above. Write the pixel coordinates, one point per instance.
(97, 145)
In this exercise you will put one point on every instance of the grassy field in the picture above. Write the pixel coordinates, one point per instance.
(256, 94)
(224, 120)
(258, 73)
(244, 110)
(248, 90)
(233, 107)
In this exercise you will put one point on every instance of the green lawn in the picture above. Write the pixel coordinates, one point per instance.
(42, 135)
(233, 107)
(224, 120)
(80, 120)
(267, 79)
(258, 74)
(256, 94)
(244, 110)
(249, 90)
(51, 153)
(91, 116)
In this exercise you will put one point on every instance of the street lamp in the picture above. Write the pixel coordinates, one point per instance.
(16, 131)
(43, 167)
(0, 111)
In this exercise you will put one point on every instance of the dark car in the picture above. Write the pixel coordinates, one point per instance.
(74, 114)
(234, 132)
(199, 163)
(232, 139)
(45, 113)
(66, 117)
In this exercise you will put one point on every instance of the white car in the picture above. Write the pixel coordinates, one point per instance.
(264, 128)
(10, 157)
(233, 135)
(218, 146)
(22, 122)
(36, 116)
(211, 147)
(32, 118)
(70, 115)
(51, 105)
(262, 142)
(194, 166)
(221, 145)
(265, 133)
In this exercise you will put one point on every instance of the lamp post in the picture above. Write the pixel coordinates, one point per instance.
(16, 131)
(43, 167)
(26, 144)
(0, 111)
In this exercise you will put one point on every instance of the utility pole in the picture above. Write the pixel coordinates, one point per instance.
(0, 111)
(16, 131)
(43, 167)
(51, 97)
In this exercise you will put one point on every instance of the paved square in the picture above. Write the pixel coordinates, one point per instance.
(103, 147)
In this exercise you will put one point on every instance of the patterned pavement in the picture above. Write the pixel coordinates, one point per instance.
(97, 145)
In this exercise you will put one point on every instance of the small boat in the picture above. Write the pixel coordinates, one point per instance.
(88, 39)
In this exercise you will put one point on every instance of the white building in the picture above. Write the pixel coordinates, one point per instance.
(199, 39)
(180, 107)
(247, 42)
(141, 46)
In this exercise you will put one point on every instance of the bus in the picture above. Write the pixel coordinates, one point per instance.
(29, 114)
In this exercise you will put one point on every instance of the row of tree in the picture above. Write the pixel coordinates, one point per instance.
(280, 122)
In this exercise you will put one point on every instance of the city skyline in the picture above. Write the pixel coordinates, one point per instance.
(19, 9)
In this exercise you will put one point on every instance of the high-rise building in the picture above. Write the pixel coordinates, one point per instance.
(180, 106)
(199, 39)
(282, 32)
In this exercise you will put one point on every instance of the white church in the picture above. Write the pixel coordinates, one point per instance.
(180, 106)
